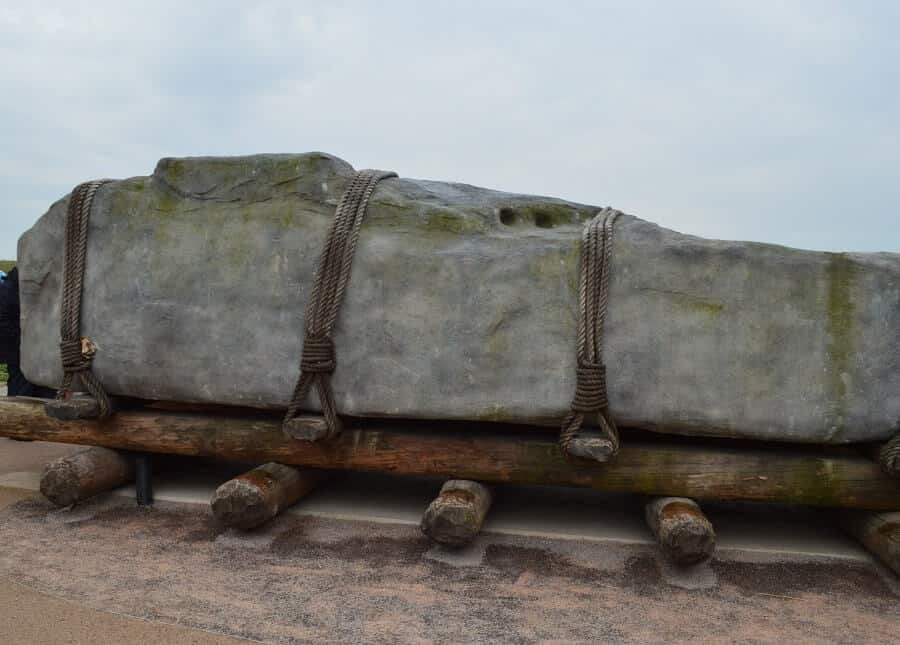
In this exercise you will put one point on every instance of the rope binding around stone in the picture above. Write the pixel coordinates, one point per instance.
(590, 385)
(889, 457)
(76, 351)
(318, 360)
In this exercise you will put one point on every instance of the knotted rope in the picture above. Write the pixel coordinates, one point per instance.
(590, 385)
(318, 360)
(77, 353)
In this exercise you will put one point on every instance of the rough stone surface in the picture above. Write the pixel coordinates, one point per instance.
(462, 305)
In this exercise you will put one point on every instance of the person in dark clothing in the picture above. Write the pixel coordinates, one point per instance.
(10, 334)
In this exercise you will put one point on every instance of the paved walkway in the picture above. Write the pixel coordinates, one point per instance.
(30, 616)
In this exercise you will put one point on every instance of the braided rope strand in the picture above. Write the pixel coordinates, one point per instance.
(77, 353)
(889, 457)
(318, 360)
(593, 298)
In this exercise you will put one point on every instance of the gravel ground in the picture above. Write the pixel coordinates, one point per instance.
(28, 615)
(303, 579)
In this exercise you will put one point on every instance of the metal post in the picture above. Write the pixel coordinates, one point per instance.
(143, 479)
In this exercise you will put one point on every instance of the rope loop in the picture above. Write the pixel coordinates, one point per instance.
(590, 373)
(77, 352)
(318, 360)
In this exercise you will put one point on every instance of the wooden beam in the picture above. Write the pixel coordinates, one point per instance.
(455, 516)
(681, 529)
(257, 496)
(878, 532)
(810, 476)
(83, 474)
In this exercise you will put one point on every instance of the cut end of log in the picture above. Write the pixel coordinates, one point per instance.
(594, 446)
(84, 474)
(307, 428)
(240, 504)
(683, 532)
(78, 407)
(59, 483)
(455, 516)
(257, 496)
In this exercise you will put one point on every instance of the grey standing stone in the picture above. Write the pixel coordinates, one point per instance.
(462, 305)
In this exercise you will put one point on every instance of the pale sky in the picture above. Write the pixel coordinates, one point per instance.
(767, 121)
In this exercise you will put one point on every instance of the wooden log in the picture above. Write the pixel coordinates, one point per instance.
(681, 529)
(878, 532)
(84, 474)
(811, 476)
(455, 516)
(257, 496)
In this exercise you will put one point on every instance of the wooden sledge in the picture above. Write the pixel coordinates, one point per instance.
(727, 471)
(667, 468)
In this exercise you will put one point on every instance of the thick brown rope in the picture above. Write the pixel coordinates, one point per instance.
(889, 457)
(76, 352)
(318, 360)
(590, 385)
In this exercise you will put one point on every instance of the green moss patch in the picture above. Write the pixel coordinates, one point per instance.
(841, 273)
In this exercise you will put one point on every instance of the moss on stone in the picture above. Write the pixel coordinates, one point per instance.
(707, 308)
(493, 413)
(445, 220)
(559, 265)
(840, 272)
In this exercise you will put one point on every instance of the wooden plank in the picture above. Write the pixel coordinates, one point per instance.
(681, 529)
(83, 474)
(257, 496)
(770, 474)
(455, 516)
(878, 532)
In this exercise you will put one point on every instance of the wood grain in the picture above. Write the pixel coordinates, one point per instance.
(455, 516)
(770, 474)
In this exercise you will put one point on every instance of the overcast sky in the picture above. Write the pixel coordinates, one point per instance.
(770, 121)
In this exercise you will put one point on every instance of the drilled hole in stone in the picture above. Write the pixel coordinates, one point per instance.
(508, 216)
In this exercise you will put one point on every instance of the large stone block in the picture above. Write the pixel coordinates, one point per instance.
(462, 305)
